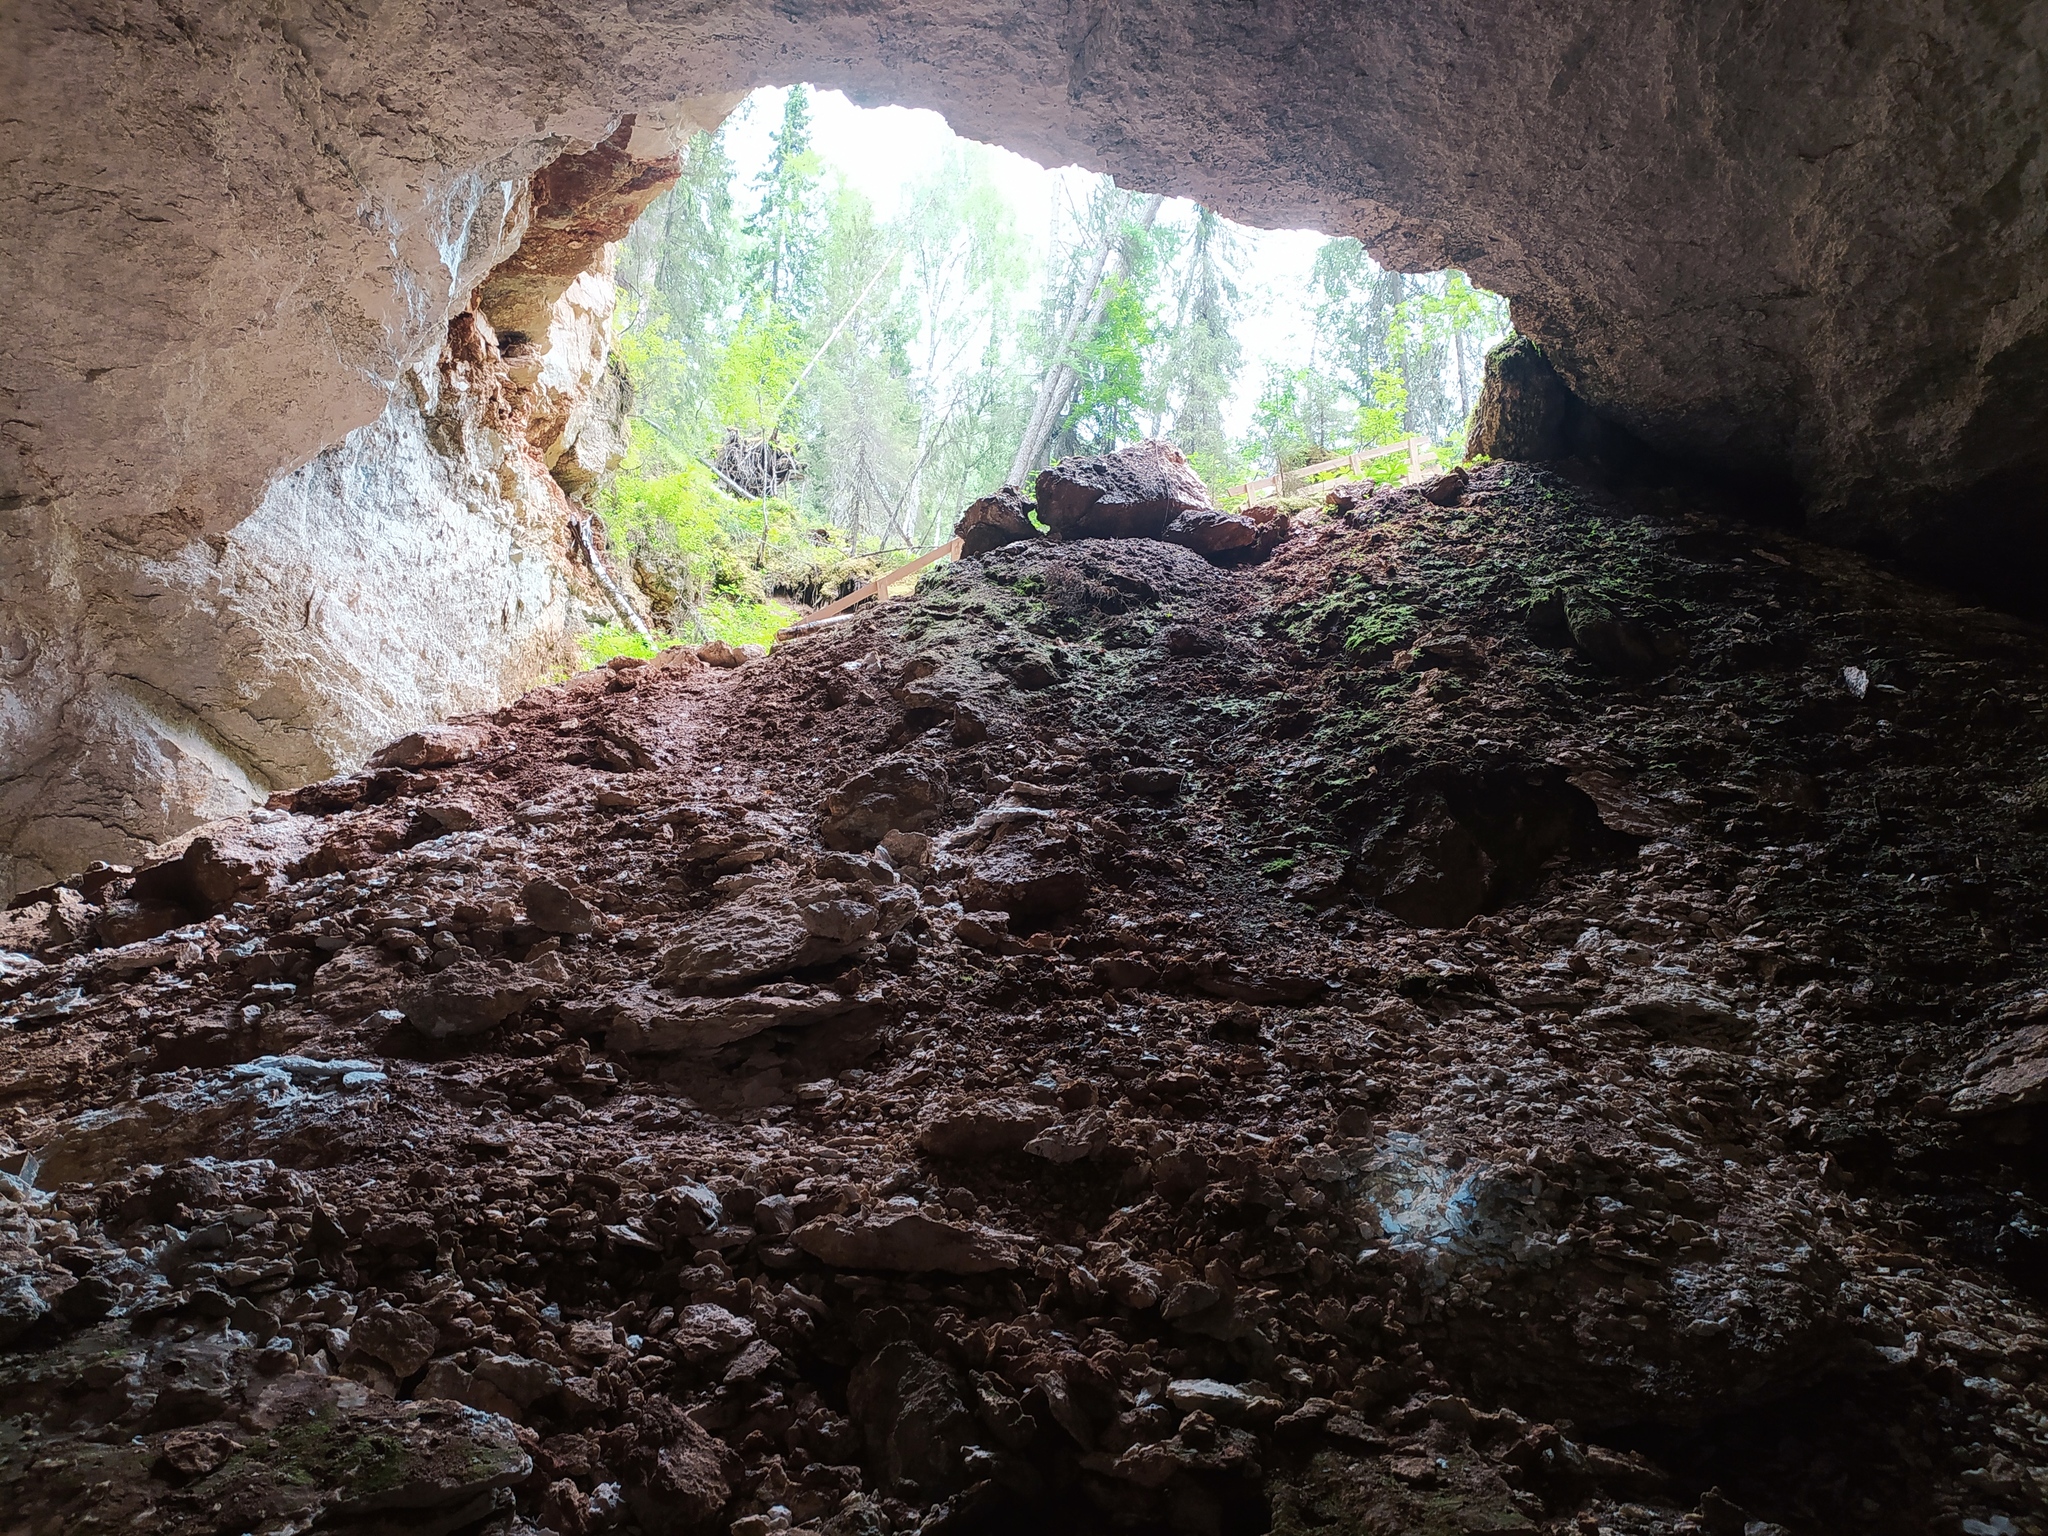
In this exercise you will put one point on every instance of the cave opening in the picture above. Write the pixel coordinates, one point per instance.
(839, 326)
(1498, 986)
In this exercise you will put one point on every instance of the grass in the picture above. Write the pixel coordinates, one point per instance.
(735, 621)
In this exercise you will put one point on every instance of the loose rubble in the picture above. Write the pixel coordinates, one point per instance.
(1470, 1024)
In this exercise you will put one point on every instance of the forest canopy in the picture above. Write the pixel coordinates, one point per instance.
(819, 387)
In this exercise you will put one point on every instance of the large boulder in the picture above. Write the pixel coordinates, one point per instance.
(1210, 533)
(1132, 493)
(994, 521)
(898, 794)
(1522, 406)
(775, 929)
(907, 1240)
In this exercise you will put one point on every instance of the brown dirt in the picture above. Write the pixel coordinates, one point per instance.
(1471, 1047)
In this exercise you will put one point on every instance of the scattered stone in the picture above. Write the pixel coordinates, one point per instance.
(1152, 783)
(707, 1332)
(1088, 1137)
(898, 794)
(644, 1023)
(773, 930)
(470, 997)
(1030, 876)
(986, 1129)
(2012, 1074)
(438, 746)
(555, 909)
(687, 1486)
(915, 1424)
(1446, 490)
(1617, 644)
(905, 1240)
(1209, 532)
(403, 1340)
(717, 653)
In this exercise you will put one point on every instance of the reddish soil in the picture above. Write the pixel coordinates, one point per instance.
(1524, 1015)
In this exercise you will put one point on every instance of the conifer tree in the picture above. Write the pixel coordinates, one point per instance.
(787, 226)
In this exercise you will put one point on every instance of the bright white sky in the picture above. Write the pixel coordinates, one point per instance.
(881, 150)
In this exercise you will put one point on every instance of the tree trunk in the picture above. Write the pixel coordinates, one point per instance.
(1458, 352)
(1058, 385)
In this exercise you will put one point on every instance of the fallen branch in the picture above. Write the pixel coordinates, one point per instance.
(579, 532)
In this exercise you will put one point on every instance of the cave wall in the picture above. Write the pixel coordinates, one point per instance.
(1800, 242)
(160, 678)
(413, 571)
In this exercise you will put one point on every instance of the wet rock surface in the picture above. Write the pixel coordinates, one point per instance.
(1309, 1047)
(1135, 492)
(996, 520)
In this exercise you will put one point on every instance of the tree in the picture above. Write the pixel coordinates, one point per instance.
(964, 264)
(1200, 356)
(1356, 305)
(680, 274)
(784, 227)
(1077, 298)
(1406, 346)
(856, 404)
(1109, 371)
(1303, 415)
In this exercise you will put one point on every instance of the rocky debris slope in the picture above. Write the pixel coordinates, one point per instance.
(245, 533)
(1522, 1014)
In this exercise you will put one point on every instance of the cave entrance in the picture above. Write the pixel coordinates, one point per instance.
(838, 326)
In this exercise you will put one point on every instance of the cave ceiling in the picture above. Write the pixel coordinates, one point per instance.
(1798, 245)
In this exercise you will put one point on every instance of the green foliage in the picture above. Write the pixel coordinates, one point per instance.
(680, 273)
(600, 645)
(1354, 618)
(1220, 469)
(903, 355)
(695, 553)
(785, 228)
(1408, 348)
(1198, 357)
(758, 369)
(738, 623)
(1302, 418)
(1111, 366)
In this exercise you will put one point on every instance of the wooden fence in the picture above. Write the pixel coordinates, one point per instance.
(1277, 485)
(879, 587)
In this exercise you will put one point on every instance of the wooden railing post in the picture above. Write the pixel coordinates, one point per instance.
(879, 587)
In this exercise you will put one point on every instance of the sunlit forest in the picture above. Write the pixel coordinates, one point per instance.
(819, 387)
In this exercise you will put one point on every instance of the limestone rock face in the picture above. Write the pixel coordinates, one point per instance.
(236, 549)
(158, 677)
(415, 571)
